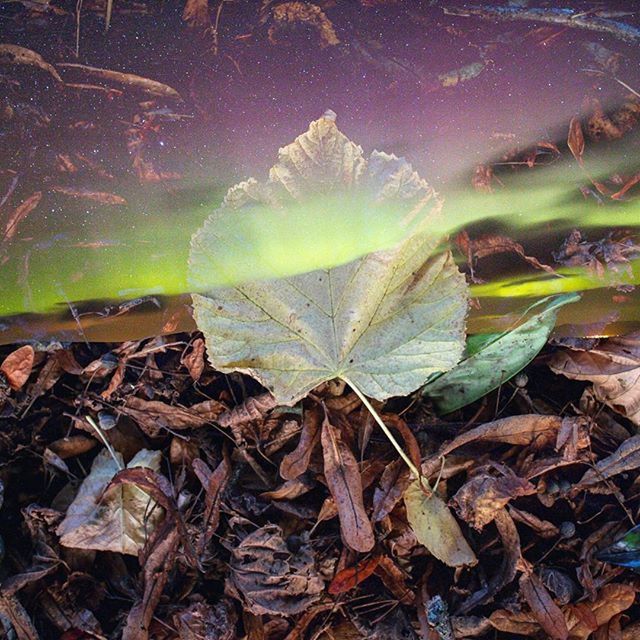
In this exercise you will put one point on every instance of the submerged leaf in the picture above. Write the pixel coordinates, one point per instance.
(385, 321)
(121, 519)
(492, 360)
(436, 528)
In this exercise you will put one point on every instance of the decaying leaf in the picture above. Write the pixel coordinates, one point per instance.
(480, 498)
(611, 600)
(122, 520)
(385, 321)
(19, 214)
(614, 369)
(436, 528)
(575, 140)
(491, 360)
(270, 577)
(196, 13)
(145, 85)
(295, 463)
(625, 458)
(543, 607)
(351, 577)
(343, 479)
(286, 15)
(13, 54)
(17, 366)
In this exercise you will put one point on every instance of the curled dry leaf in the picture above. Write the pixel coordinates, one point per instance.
(119, 520)
(103, 197)
(612, 599)
(17, 366)
(393, 483)
(19, 214)
(436, 528)
(214, 484)
(296, 463)
(543, 607)
(13, 54)
(575, 140)
(345, 484)
(272, 579)
(139, 83)
(194, 360)
(614, 369)
(625, 458)
(286, 15)
(478, 500)
(153, 416)
(251, 409)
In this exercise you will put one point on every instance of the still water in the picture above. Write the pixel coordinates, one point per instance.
(123, 171)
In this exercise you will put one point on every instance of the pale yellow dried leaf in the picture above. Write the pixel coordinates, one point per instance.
(436, 528)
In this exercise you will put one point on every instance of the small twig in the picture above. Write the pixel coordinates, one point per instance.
(98, 430)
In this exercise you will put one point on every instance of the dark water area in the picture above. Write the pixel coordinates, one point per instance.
(123, 176)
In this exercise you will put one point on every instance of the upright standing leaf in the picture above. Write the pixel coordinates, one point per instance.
(385, 321)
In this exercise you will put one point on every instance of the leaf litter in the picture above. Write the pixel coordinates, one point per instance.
(275, 515)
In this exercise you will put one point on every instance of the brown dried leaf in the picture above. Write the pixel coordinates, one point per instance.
(612, 600)
(489, 245)
(12, 610)
(194, 360)
(103, 197)
(345, 484)
(543, 607)
(393, 483)
(625, 458)
(288, 14)
(13, 54)
(528, 430)
(614, 369)
(507, 571)
(479, 499)
(153, 416)
(296, 463)
(196, 13)
(156, 566)
(520, 623)
(251, 409)
(214, 485)
(271, 579)
(20, 213)
(395, 580)
(17, 366)
(575, 140)
(203, 621)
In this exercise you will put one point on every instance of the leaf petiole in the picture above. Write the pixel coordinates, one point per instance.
(385, 429)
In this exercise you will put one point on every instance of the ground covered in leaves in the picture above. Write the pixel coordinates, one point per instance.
(214, 514)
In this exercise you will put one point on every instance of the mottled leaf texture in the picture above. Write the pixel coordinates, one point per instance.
(343, 479)
(270, 577)
(385, 321)
(436, 528)
(17, 366)
(121, 519)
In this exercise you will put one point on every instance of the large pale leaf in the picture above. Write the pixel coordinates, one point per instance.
(120, 520)
(385, 321)
(492, 360)
(436, 528)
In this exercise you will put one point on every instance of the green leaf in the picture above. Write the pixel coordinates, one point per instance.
(436, 528)
(385, 321)
(491, 360)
